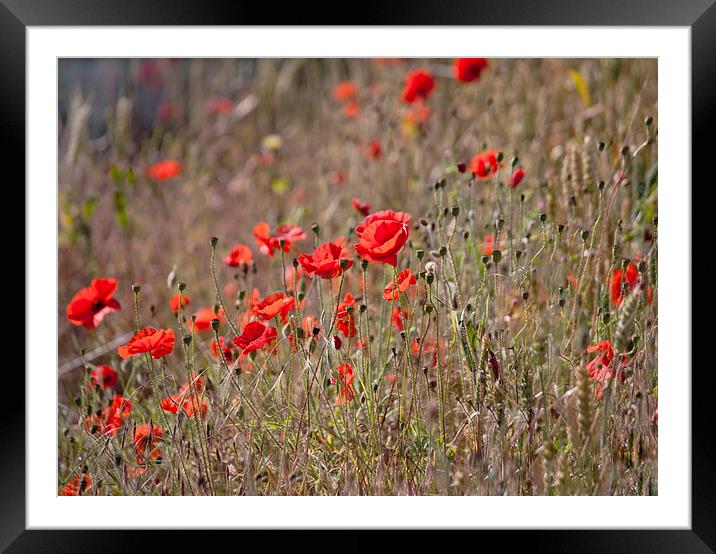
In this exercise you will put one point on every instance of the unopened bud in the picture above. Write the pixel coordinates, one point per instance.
(213, 241)
(136, 288)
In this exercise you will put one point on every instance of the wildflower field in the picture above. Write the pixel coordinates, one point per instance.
(357, 277)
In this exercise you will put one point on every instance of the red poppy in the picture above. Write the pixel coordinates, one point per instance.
(158, 342)
(419, 84)
(430, 346)
(469, 69)
(398, 317)
(104, 376)
(346, 392)
(268, 242)
(351, 110)
(164, 170)
(631, 278)
(146, 437)
(325, 261)
(344, 320)
(361, 207)
(345, 90)
(275, 304)
(111, 419)
(174, 302)
(255, 336)
(485, 164)
(600, 369)
(488, 245)
(219, 105)
(77, 486)
(375, 150)
(401, 284)
(517, 177)
(90, 305)
(187, 399)
(204, 317)
(226, 348)
(382, 235)
(240, 255)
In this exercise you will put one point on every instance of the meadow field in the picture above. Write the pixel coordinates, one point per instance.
(357, 277)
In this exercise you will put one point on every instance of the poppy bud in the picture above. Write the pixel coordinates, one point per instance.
(600, 147)
(364, 264)
(514, 160)
(344, 263)
(485, 259)
(442, 251)
(295, 263)
(315, 331)
(181, 286)
(187, 339)
(316, 229)
(648, 120)
(466, 235)
(430, 277)
(600, 185)
(525, 295)
(363, 308)
(625, 151)
(500, 157)
(584, 234)
(462, 167)
(420, 253)
(560, 228)
(301, 295)
(136, 288)
(561, 302)
(655, 220)
(496, 256)
(455, 211)
(428, 308)
(543, 217)
(213, 241)
(337, 342)
(215, 324)
(518, 254)
(499, 224)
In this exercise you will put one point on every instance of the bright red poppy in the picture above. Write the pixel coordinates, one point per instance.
(344, 320)
(631, 279)
(174, 302)
(255, 335)
(488, 245)
(397, 318)
(77, 486)
(204, 317)
(382, 235)
(158, 342)
(469, 69)
(345, 90)
(186, 399)
(485, 164)
(164, 170)
(90, 305)
(111, 419)
(346, 392)
(601, 369)
(268, 241)
(325, 261)
(419, 85)
(240, 255)
(361, 207)
(399, 285)
(517, 177)
(146, 437)
(103, 376)
(275, 304)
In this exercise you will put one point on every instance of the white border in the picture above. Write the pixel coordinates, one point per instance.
(671, 508)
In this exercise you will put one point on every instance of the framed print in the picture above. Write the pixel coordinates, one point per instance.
(429, 271)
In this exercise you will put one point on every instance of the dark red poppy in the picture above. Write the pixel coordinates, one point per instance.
(345, 90)
(344, 320)
(77, 486)
(164, 170)
(361, 207)
(517, 177)
(223, 346)
(273, 305)
(419, 85)
(111, 419)
(346, 392)
(158, 342)
(399, 285)
(469, 69)
(240, 255)
(382, 235)
(103, 376)
(174, 302)
(397, 318)
(90, 305)
(146, 437)
(204, 317)
(485, 164)
(268, 242)
(255, 335)
(325, 261)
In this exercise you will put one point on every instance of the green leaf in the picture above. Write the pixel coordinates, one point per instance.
(88, 207)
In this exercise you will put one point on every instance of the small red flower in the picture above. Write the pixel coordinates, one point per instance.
(382, 235)
(77, 486)
(90, 305)
(346, 392)
(174, 302)
(325, 261)
(351, 110)
(344, 320)
(345, 90)
(273, 305)
(469, 69)
(164, 170)
(255, 336)
(204, 317)
(361, 207)
(485, 164)
(268, 242)
(111, 419)
(146, 437)
(219, 105)
(187, 399)
(240, 255)
(158, 342)
(375, 150)
(226, 348)
(601, 369)
(400, 285)
(419, 85)
(104, 376)
(398, 317)
(517, 177)
(488, 245)
(631, 279)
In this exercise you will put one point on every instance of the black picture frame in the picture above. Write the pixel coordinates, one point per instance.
(698, 15)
